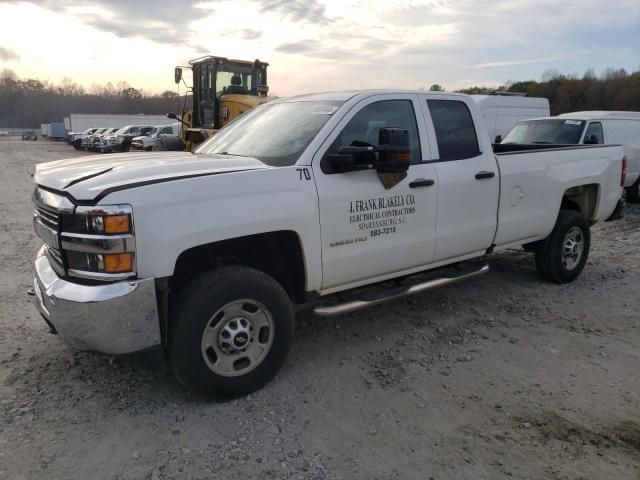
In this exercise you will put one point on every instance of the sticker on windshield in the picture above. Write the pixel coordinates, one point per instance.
(320, 109)
(572, 122)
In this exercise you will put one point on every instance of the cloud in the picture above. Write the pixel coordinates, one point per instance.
(250, 34)
(297, 10)
(161, 21)
(160, 33)
(8, 55)
(303, 46)
(531, 61)
(324, 44)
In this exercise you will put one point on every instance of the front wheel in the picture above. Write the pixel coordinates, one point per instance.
(232, 329)
(563, 254)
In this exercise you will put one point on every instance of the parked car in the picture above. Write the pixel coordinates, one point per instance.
(75, 139)
(29, 135)
(120, 141)
(146, 142)
(94, 140)
(89, 140)
(295, 200)
(594, 128)
(501, 111)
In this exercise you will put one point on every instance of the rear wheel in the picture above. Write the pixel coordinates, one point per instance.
(232, 329)
(563, 254)
(633, 192)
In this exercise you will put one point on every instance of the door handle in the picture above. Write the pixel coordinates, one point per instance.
(485, 174)
(421, 182)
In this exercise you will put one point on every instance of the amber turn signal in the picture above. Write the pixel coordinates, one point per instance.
(118, 262)
(403, 156)
(116, 224)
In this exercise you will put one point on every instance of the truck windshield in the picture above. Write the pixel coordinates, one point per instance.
(552, 131)
(275, 133)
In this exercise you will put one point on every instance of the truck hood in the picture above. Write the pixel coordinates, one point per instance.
(86, 178)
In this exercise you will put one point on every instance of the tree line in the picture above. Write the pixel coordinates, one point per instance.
(612, 90)
(26, 103)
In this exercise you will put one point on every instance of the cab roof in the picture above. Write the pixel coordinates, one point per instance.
(344, 95)
(601, 114)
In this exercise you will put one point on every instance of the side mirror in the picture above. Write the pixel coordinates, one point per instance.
(171, 115)
(395, 151)
(392, 155)
(177, 74)
(498, 139)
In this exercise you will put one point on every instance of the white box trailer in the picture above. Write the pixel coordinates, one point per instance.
(501, 112)
(79, 122)
(44, 129)
(67, 124)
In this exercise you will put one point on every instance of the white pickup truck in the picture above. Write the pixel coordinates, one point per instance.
(206, 254)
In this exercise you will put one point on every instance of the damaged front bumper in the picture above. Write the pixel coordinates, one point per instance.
(115, 318)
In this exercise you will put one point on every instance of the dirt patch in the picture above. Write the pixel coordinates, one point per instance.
(625, 436)
(442, 385)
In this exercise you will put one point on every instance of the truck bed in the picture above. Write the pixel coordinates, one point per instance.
(533, 179)
(506, 148)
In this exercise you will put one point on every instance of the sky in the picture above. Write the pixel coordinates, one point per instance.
(316, 45)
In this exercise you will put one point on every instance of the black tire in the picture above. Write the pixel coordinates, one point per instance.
(550, 263)
(168, 142)
(633, 192)
(77, 144)
(192, 313)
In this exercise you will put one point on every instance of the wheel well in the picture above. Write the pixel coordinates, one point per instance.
(278, 254)
(583, 198)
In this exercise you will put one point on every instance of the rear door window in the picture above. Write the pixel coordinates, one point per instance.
(455, 130)
(594, 135)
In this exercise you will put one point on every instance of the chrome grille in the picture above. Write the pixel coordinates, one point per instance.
(48, 217)
(55, 259)
(48, 224)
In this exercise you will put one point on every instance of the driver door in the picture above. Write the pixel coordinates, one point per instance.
(369, 231)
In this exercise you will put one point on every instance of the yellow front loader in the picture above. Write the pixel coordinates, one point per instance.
(222, 89)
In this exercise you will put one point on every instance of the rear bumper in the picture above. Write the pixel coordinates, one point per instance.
(116, 318)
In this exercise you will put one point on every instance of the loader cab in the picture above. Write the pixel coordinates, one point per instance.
(224, 89)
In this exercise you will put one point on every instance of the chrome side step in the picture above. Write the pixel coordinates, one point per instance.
(354, 305)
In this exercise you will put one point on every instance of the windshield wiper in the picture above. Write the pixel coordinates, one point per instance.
(544, 143)
(230, 154)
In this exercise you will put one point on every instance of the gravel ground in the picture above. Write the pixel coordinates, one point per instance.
(503, 376)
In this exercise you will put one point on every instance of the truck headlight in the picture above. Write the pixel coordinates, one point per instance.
(98, 222)
(100, 262)
(99, 242)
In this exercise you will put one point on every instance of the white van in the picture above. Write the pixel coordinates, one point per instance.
(502, 111)
(595, 127)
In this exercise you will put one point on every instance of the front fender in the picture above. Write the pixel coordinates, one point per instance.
(174, 216)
